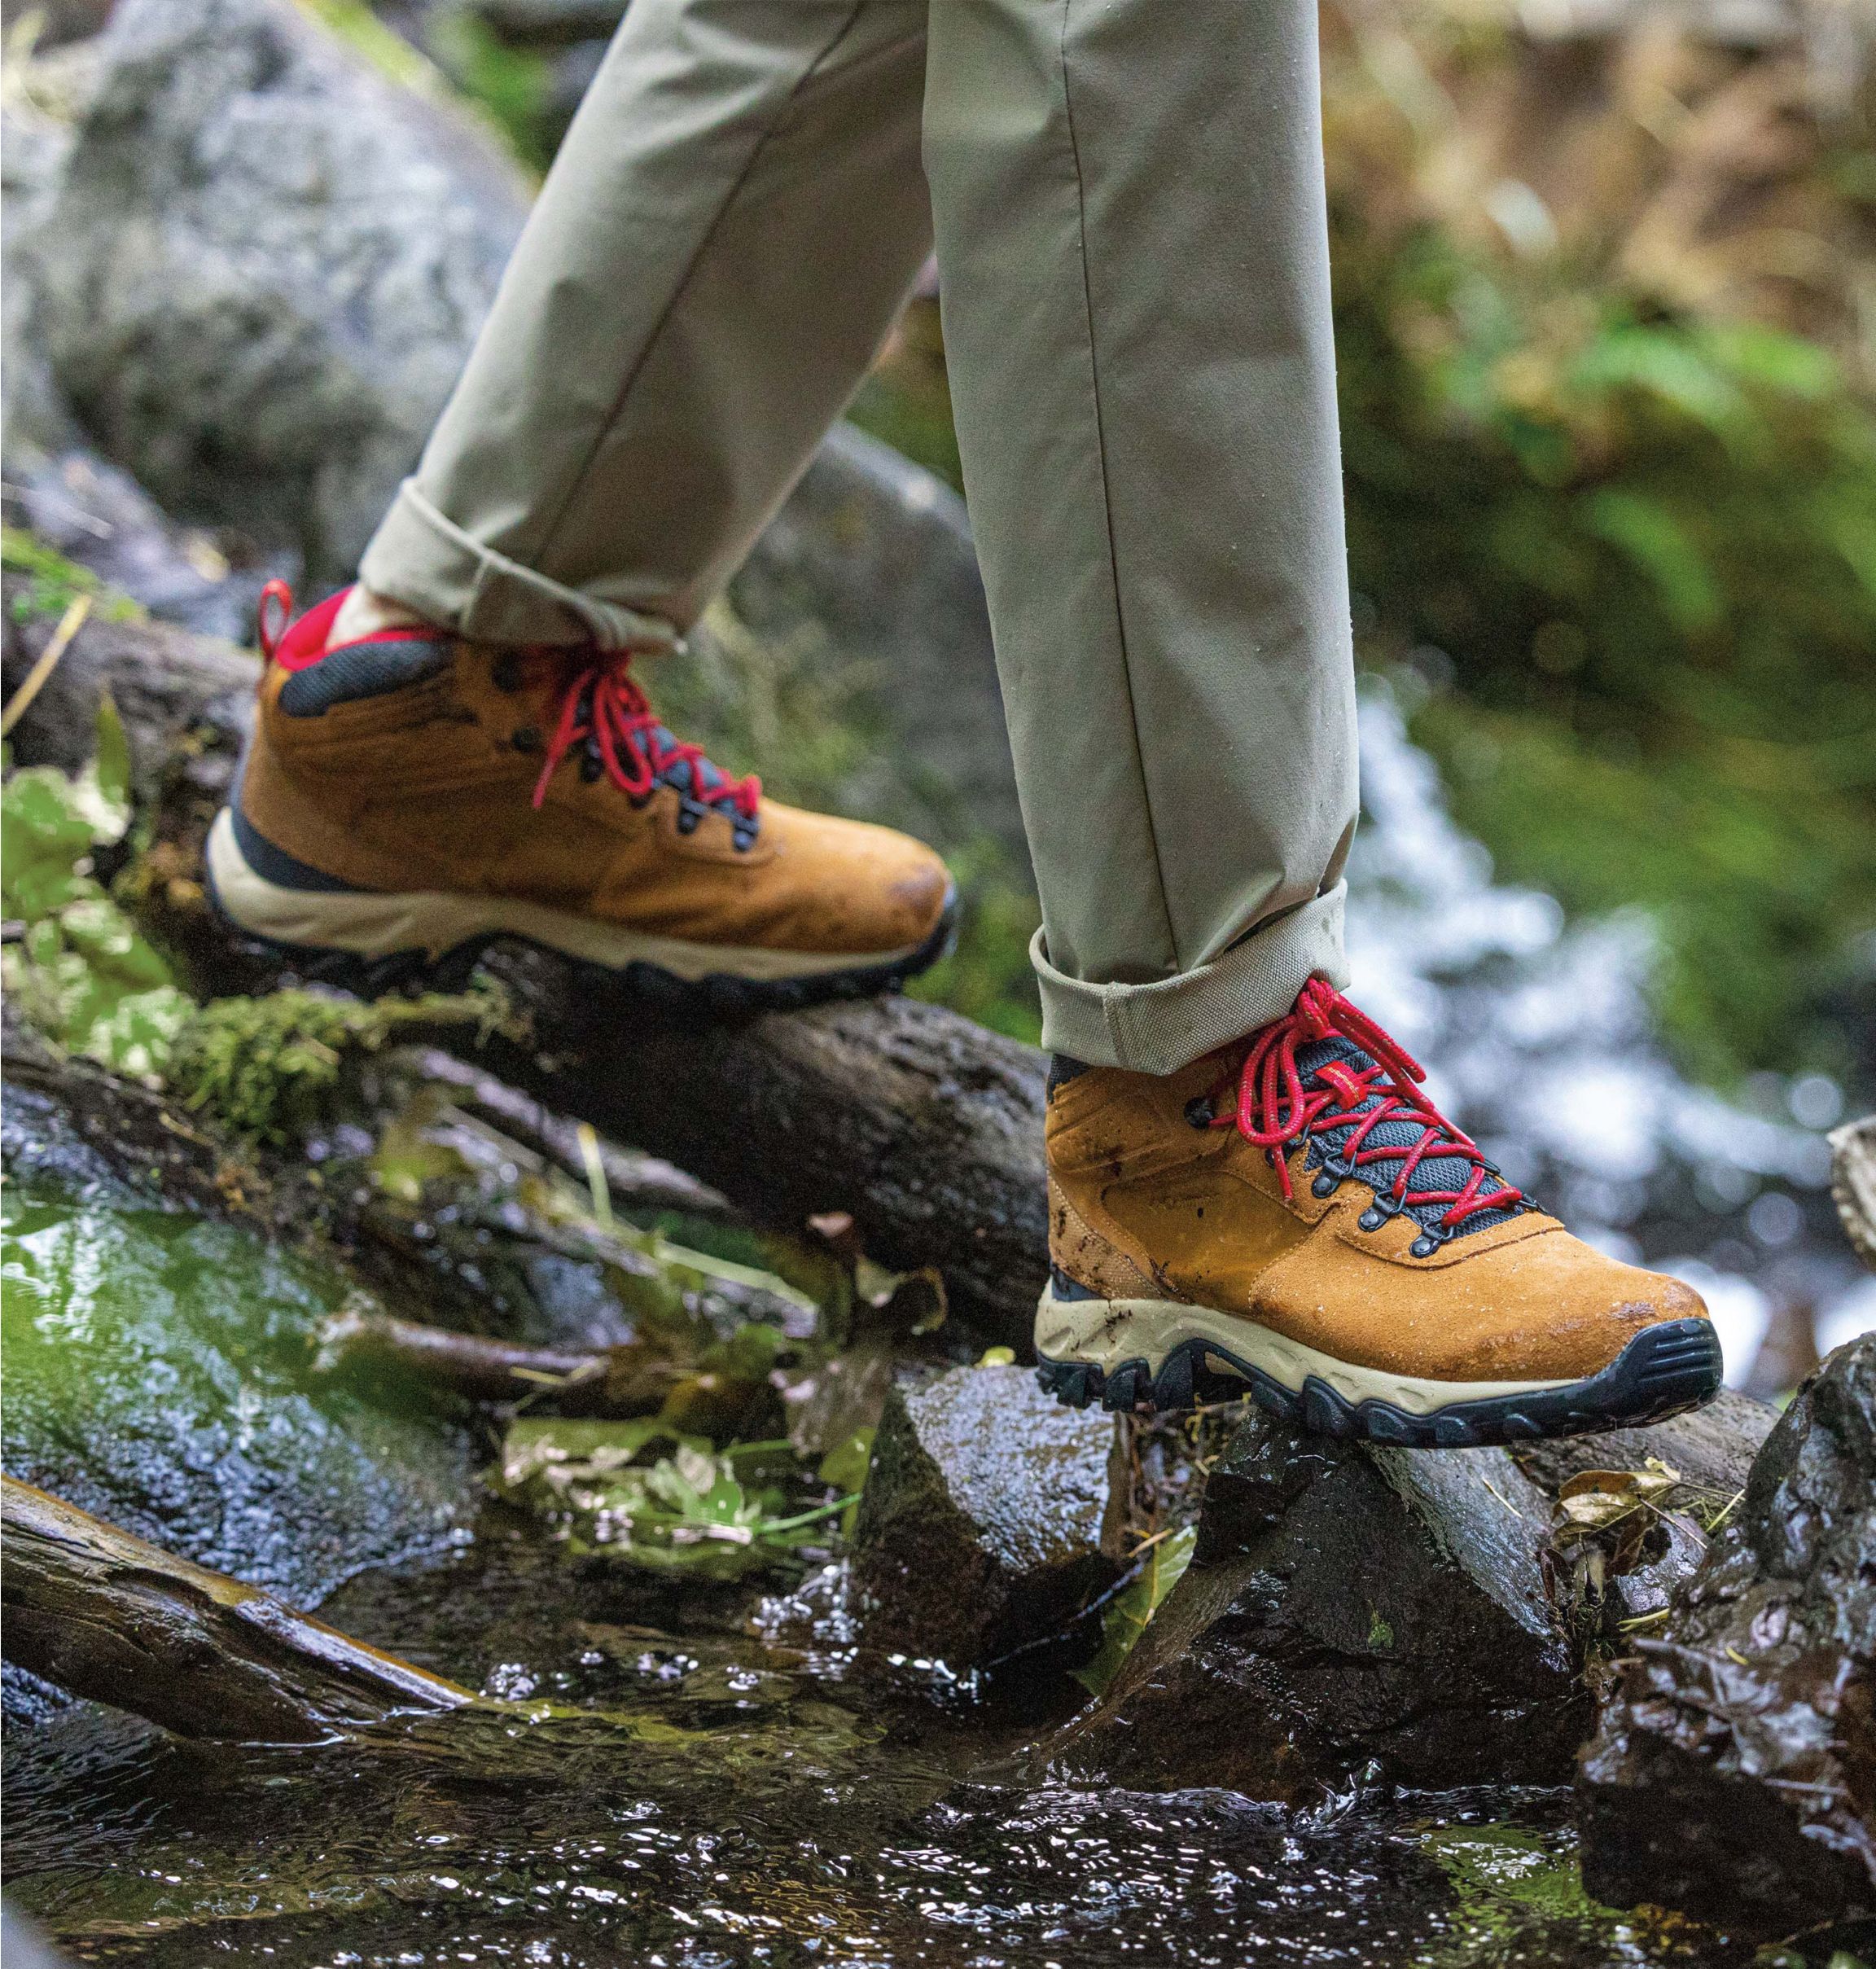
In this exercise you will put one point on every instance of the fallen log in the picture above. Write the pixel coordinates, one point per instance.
(925, 1127)
(119, 1620)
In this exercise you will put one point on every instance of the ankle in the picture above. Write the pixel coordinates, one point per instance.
(364, 613)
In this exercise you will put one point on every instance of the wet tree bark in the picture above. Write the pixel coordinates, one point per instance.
(115, 1618)
(925, 1127)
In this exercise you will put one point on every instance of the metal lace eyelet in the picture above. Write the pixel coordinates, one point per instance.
(505, 673)
(1378, 1213)
(1325, 1185)
(1199, 1111)
(591, 766)
(688, 817)
(1425, 1245)
(526, 739)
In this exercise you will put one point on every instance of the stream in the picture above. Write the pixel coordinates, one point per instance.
(680, 1772)
(675, 1790)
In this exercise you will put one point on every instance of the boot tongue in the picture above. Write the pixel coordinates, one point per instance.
(1433, 1171)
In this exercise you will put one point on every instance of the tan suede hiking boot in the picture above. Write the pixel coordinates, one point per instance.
(407, 798)
(1290, 1218)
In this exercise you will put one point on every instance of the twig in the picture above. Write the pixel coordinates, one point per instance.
(69, 624)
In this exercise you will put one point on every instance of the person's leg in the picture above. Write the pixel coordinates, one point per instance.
(723, 241)
(1133, 244)
(1248, 1189)
(725, 238)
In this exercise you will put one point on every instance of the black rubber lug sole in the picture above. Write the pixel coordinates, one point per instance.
(1664, 1370)
(718, 995)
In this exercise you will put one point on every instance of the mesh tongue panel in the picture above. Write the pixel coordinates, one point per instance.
(1433, 1171)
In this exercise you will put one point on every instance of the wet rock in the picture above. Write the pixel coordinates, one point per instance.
(1733, 1774)
(156, 1340)
(1348, 1609)
(262, 267)
(987, 1520)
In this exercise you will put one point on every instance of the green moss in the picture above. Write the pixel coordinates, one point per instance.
(51, 583)
(261, 1067)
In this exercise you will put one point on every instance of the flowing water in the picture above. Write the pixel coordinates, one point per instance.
(670, 1788)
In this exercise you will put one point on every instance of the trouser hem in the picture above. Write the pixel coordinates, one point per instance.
(1161, 1027)
(421, 558)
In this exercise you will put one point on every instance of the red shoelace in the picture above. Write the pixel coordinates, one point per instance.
(1276, 1110)
(602, 702)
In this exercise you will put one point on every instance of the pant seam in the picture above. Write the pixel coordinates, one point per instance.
(544, 545)
(1106, 499)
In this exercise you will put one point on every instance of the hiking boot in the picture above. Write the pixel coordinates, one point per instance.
(407, 798)
(1291, 1218)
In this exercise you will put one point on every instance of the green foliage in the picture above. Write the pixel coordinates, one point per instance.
(83, 975)
(1649, 546)
(510, 85)
(1129, 1611)
(688, 1510)
(80, 971)
(51, 583)
(987, 975)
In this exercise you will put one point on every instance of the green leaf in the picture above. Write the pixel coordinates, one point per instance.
(1655, 540)
(689, 1512)
(1130, 1609)
(846, 1464)
(113, 760)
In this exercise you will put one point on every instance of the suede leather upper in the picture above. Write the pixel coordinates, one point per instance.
(430, 786)
(1143, 1203)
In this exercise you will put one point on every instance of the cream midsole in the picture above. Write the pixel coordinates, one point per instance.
(372, 925)
(1109, 1332)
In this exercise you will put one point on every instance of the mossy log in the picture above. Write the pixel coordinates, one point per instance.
(117, 1619)
(925, 1127)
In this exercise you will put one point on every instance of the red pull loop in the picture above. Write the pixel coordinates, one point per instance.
(273, 615)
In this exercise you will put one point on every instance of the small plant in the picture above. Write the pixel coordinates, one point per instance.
(657, 1500)
(76, 967)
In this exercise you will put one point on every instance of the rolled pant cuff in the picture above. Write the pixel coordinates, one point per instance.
(1164, 1026)
(424, 559)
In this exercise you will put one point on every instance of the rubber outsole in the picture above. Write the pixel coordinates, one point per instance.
(1665, 1370)
(718, 994)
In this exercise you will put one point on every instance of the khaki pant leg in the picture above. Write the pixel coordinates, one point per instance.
(727, 234)
(1132, 236)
